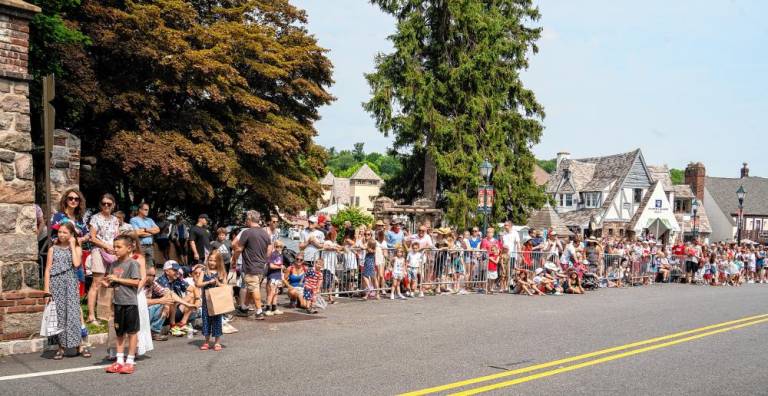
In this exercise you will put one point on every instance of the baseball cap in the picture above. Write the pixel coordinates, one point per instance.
(171, 264)
(312, 219)
(204, 216)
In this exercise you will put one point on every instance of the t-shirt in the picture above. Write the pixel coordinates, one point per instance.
(255, 242)
(398, 266)
(424, 242)
(202, 239)
(165, 229)
(311, 251)
(107, 228)
(330, 259)
(178, 285)
(128, 269)
(511, 240)
(415, 259)
(146, 223)
(275, 273)
(474, 242)
(394, 238)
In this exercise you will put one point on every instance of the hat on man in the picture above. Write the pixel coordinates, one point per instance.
(312, 219)
(396, 221)
(550, 266)
(379, 223)
(539, 271)
(204, 216)
(171, 264)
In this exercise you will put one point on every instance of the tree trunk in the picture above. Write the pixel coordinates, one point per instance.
(430, 177)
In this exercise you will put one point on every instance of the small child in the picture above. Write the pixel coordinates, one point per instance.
(124, 276)
(398, 272)
(493, 268)
(330, 256)
(312, 282)
(504, 262)
(274, 278)
(415, 260)
(457, 265)
(213, 275)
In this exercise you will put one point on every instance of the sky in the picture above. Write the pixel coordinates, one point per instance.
(682, 80)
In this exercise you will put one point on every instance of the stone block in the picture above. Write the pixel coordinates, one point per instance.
(15, 103)
(12, 275)
(16, 141)
(8, 172)
(24, 169)
(6, 121)
(31, 274)
(26, 323)
(15, 248)
(26, 223)
(17, 191)
(9, 213)
(22, 123)
(21, 88)
(7, 155)
(5, 86)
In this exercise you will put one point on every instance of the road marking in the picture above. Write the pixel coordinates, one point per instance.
(601, 360)
(553, 363)
(53, 372)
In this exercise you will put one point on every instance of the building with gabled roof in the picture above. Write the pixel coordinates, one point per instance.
(613, 195)
(360, 190)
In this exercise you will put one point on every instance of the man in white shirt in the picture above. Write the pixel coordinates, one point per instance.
(311, 241)
(510, 238)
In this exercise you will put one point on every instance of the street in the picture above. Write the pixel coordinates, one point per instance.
(392, 347)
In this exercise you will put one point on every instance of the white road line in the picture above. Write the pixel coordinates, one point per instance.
(53, 372)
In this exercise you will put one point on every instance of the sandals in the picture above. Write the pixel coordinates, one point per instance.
(59, 355)
(217, 347)
(85, 352)
(205, 347)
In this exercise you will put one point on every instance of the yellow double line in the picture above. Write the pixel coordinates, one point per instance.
(700, 332)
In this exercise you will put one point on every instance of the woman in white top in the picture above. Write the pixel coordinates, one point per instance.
(381, 262)
(104, 228)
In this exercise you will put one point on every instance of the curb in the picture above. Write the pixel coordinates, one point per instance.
(18, 347)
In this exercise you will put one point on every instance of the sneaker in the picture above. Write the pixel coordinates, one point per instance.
(126, 369)
(259, 316)
(176, 331)
(558, 294)
(401, 297)
(269, 313)
(242, 312)
(421, 294)
(159, 337)
(114, 368)
(462, 292)
(278, 312)
(392, 297)
(83, 332)
(189, 329)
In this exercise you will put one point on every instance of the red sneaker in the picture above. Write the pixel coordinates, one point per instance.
(114, 368)
(126, 369)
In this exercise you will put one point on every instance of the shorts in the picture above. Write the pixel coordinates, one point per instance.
(398, 275)
(149, 254)
(276, 282)
(98, 266)
(690, 266)
(493, 275)
(327, 279)
(413, 273)
(252, 282)
(126, 319)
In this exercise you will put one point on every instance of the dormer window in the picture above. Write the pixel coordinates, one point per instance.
(591, 199)
(566, 200)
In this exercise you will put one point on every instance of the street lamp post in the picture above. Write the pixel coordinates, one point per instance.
(485, 172)
(695, 207)
(741, 194)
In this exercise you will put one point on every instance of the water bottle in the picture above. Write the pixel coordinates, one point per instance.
(190, 333)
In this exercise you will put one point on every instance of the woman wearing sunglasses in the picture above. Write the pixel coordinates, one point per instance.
(104, 228)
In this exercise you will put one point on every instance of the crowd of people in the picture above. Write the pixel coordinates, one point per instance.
(152, 297)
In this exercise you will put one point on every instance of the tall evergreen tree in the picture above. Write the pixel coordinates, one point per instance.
(451, 95)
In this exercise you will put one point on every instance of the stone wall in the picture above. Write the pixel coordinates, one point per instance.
(20, 306)
(65, 165)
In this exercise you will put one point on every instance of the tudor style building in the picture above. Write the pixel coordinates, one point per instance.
(614, 195)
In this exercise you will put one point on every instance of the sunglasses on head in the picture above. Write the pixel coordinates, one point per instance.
(75, 199)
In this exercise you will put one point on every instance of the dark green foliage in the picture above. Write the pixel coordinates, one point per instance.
(677, 175)
(549, 165)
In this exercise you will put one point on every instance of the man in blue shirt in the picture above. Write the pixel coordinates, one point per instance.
(395, 235)
(145, 228)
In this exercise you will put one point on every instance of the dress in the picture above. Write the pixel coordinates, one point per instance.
(211, 324)
(64, 291)
(369, 269)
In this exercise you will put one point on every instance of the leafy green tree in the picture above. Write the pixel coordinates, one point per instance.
(358, 152)
(451, 95)
(550, 165)
(352, 214)
(199, 105)
(677, 176)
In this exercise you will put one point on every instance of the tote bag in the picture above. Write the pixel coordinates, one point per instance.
(50, 324)
(219, 300)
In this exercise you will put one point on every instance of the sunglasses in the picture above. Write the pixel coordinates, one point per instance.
(107, 204)
(73, 199)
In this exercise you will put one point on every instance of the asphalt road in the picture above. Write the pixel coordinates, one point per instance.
(390, 347)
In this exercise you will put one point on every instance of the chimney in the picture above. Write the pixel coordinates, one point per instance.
(563, 155)
(744, 171)
(694, 177)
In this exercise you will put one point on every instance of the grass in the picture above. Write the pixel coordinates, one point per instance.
(92, 329)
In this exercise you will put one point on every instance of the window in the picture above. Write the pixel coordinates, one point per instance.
(591, 199)
(621, 232)
(357, 201)
(638, 195)
(610, 232)
(566, 200)
(678, 205)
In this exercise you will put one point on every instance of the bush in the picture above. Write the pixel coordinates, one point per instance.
(354, 215)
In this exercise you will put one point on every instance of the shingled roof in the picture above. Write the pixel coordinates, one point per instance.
(327, 180)
(661, 173)
(723, 191)
(546, 217)
(365, 173)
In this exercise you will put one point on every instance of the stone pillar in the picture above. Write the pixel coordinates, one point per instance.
(65, 165)
(20, 304)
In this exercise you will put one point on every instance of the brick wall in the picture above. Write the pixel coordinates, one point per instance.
(20, 304)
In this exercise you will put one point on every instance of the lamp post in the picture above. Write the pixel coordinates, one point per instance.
(485, 172)
(741, 194)
(695, 207)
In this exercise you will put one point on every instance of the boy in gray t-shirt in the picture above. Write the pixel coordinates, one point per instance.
(124, 276)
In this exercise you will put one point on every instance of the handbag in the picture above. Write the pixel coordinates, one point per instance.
(219, 300)
(50, 323)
